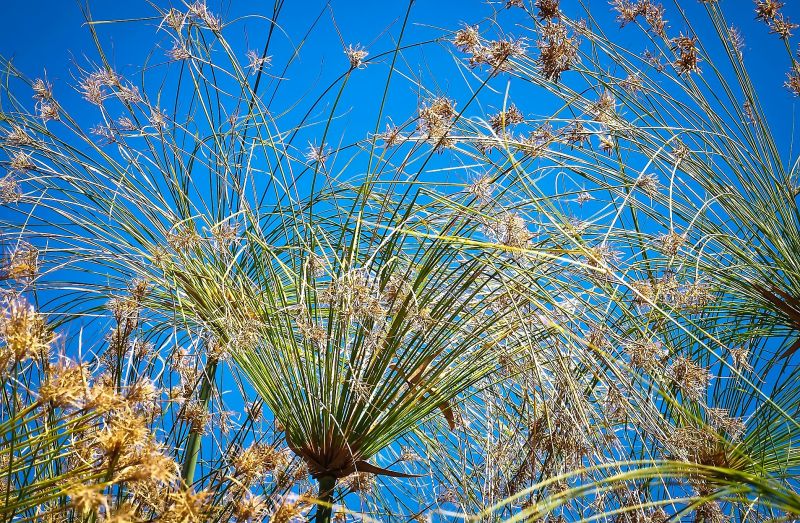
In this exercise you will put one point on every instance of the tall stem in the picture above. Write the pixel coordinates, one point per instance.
(192, 452)
(325, 496)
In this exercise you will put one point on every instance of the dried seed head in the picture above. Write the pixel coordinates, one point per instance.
(679, 152)
(616, 406)
(782, 27)
(607, 145)
(467, 39)
(670, 243)
(648, 184)
(48, 111)
(315, 265)
(740, 358)
(747, 107)
(130, 94)
(179, 52)
(23, 331)
(196, 415)
(359, 482)
(645, 292)
(106, 134)
(604, 110)
(602, 256)
(548, 9)
(497, 54)
(66, 385)
(698, 445)
(645, 354)
(654, 60)
(792, 83)
(124, 513)
(721, 420)
(122, 433)
(92, 88)
(736, 40)
(23, 263)
(628, 11)
(18, 137)
(654, 16)
(356, 54)
(318, 154)
(42, 90)
(695, 297)
(200, 13)
(87, 499)
(391, 137)
(356, 294)
(688, 58)
(10, 191)
(504, 119)
(126, 124)
(226, 234)
(158, 118)
(435, 121)
(632, 83)
(576, 134)
(539, 139)
(21, 162)
(558, 51)
(481, 188)
(287, 512)
(256, 62)
(186, 506)
(174, 19)
(409, 455)
(510, 230)
(182, 238)
(710, 512)
(250, 508)
(690, 378)
(768, 10)
(252, 463)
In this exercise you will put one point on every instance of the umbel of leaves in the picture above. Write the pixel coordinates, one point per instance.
(349, 351)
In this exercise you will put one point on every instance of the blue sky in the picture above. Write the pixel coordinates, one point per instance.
(49, 36)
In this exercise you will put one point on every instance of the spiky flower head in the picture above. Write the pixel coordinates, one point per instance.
(558, 50)
(356, 55)
(467, 39)
(257, 62)
(23, 332)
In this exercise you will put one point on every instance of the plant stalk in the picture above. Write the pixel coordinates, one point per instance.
(192, 452)
(325, 504)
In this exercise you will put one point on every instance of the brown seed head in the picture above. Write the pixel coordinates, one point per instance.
(558, 51)
(467, 39)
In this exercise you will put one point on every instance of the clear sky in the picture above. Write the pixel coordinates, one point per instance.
(50, 37)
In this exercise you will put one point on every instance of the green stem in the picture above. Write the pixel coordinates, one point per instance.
(325, 496)
(192, 453)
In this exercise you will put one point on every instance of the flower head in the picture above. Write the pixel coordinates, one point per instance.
(558, 51)
(356, 54)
